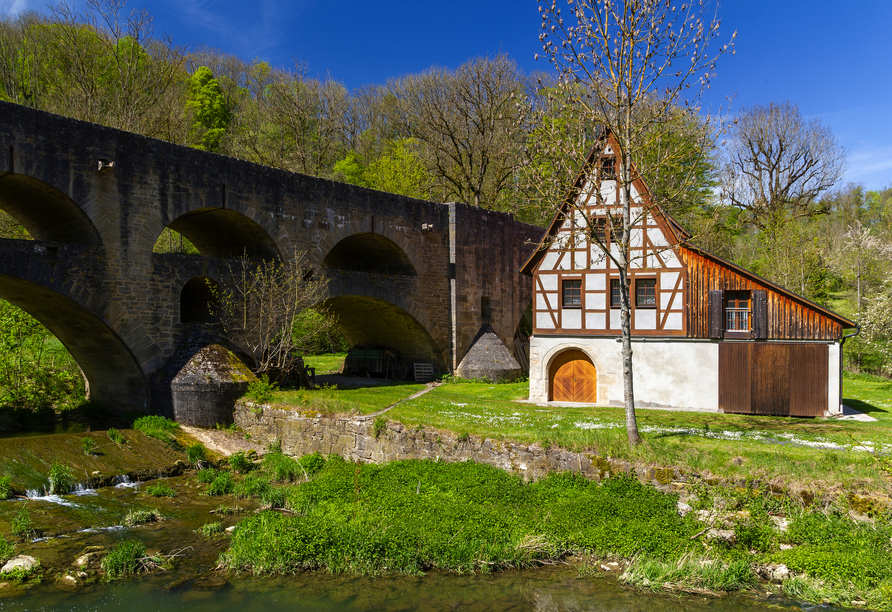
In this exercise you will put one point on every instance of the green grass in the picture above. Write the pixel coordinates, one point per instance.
(128, 557)
(332, 400)
(327, 363)
(157, 427)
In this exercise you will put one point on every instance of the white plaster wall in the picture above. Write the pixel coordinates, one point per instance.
(677, 374)
(833, 405)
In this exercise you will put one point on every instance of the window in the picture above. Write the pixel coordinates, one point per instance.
(737, 311)
(646, 293)
(608, 168)
(572, 292)
(615, 295)
(486, 307)
(602, 232)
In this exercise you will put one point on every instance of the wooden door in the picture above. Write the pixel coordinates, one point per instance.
(778, 379)
(573, 378)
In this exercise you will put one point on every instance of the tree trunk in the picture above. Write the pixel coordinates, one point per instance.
(625, 315)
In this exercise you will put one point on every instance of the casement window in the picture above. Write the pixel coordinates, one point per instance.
(599, 230)
(571, 290)
(738, 314)
(738, 311)
(645, 293)
(604, 232)
(616, 300)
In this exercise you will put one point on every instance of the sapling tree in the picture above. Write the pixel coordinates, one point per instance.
(634, 68)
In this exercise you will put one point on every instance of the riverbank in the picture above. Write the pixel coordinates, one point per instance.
(411, 517)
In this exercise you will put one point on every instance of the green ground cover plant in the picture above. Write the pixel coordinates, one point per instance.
(196, 454)
(411, 516)
(210, 530)
(115, 436)
(157, 427)
(222, 484)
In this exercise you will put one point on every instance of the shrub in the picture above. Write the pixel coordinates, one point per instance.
(261, 390)
(88, 445)
(141, 517)
(240, 463)
(157, 427)
(196, 454)
(115, 436)
(5, 487)
(210, 529)
(22, 525)
(160, 490)
(61, 479)
(223, 484)
(128, 557)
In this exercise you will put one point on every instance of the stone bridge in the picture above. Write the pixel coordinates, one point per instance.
(415, 276)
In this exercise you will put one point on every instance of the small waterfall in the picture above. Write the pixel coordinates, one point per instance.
(123, 481)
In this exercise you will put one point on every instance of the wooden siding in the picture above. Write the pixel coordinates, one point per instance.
(788, 318)
(776, 379)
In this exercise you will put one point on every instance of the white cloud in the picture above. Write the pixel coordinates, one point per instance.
(13, 7)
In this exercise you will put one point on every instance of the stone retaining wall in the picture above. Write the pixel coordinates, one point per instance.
(303, 432)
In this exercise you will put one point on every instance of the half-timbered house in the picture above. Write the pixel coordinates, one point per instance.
(707, 334)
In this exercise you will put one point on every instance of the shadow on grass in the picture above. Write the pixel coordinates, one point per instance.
(863, 406)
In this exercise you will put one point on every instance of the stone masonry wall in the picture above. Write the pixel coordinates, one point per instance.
(303, 432)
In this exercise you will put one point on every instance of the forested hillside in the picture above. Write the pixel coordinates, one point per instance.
(764, 192)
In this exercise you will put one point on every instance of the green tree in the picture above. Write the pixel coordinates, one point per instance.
(401, 171)
(351, 170)
(211, 111)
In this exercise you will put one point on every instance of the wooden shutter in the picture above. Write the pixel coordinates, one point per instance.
(716, 313)
(760, 315)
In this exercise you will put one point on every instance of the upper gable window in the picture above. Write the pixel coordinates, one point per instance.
(607, 169)
(572, 293)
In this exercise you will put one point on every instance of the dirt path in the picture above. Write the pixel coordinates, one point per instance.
(222, 441)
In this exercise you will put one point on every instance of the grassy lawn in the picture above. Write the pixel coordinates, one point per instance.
(327, 363)
(797, 451)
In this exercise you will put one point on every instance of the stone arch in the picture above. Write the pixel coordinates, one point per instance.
(200, 301)
(363, 237)
(47, 213)
(372, 322)
(368, 252)
(225, 233)
(114, 375)
(573, 377)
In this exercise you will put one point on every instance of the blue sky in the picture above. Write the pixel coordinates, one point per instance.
(828, 57)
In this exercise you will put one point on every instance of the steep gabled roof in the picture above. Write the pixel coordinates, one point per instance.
(679, 236)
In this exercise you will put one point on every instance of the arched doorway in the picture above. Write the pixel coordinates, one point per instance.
(573, 378)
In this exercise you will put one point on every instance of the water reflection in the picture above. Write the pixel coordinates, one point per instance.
(547, 590)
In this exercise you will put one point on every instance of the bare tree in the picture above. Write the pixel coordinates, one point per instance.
(777, 164)
(626, 65)
(259, 304)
